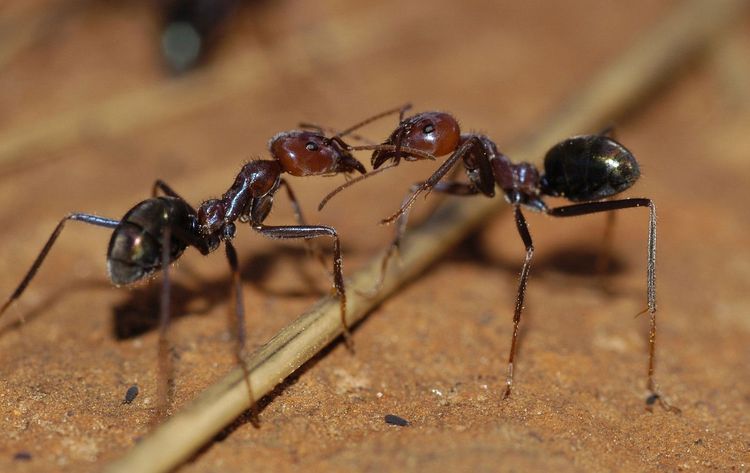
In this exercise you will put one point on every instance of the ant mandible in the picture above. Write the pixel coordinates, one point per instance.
(583, 169)
(156, 231)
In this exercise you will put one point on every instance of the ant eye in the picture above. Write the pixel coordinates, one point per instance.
(429, 128)
(311, 146)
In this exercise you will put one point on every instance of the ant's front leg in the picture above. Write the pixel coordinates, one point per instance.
(313, 231)
(448, 188)
(80, 217)
(466, 147)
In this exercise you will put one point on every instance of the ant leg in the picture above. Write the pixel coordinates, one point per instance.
(608, 131)
(449, 188)
(239, 309)
(239, 305)
(311, 247)
(165, 389)
(86, 218)
(605, 251)
(313, 231)
(441, 171)
(611, 205)
(160, 185)
(523, 230)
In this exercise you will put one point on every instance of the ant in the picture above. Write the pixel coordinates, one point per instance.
(583, 169)
(156, 231)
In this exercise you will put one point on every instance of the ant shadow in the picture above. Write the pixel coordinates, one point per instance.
(574, 260)
(139, 313)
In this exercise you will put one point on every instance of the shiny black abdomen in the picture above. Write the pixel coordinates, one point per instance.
(135, 249)
(589, 167)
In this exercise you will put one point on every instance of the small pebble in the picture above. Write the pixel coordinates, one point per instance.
(396, 420)
(22, 456)
(131, 394)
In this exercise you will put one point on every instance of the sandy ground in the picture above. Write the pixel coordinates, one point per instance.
(433, 354)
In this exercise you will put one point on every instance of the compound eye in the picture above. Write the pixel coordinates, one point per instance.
(428, 129)
(311, 146)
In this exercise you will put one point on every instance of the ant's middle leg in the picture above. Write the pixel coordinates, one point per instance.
(165, 388)
(80, 217)
(313, 231)
(311, 247)
(605, 251)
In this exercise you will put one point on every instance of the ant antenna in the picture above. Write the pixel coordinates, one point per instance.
(411, 154)
(351, 182)
(400, 110)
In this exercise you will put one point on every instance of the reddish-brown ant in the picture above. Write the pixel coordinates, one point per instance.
(583, 169)
(156, 231)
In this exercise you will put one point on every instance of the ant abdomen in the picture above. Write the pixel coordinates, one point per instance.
(588, 167)
(135, 249)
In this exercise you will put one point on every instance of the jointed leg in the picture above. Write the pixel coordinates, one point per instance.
(311, 247)
(523, 230)
(450, 188)
(605, 252)
(239, 306)
(239, 309)
(166, 368)
(86, 218)
(160, 185)
(610, 205)
(313, 231)
(430, 183)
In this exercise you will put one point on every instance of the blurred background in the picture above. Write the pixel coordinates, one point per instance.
(99, 98)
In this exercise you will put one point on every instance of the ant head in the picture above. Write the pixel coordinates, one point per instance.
(306, 153)
(211, 216)
(436, 133)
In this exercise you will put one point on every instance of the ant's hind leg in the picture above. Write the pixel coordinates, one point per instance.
(239, 310)
(604, 256)
(86, 218)
(313, 231)
(611, 205)
(160, 185)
